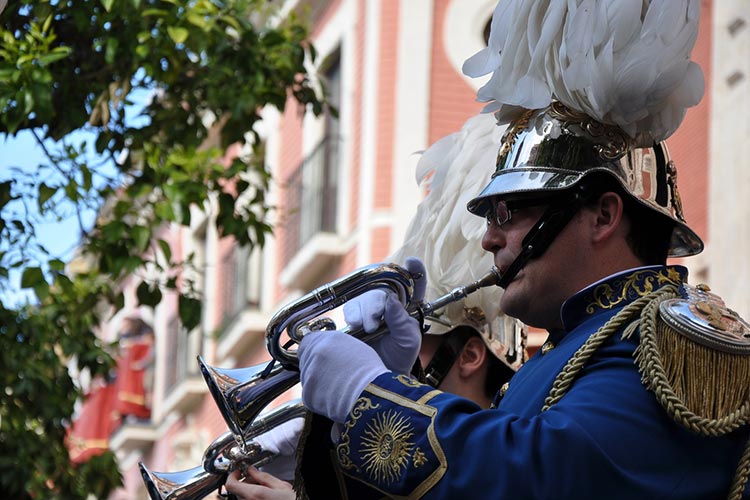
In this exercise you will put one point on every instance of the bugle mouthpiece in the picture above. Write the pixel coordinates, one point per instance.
(491, 278)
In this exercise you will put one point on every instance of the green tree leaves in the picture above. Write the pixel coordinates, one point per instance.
(134, 104)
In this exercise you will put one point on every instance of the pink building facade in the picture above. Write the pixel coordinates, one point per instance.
(344, 191)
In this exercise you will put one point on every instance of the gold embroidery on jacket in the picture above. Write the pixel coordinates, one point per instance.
(605, 296)
(361, 405)
(436, 467)
(408, 381)
(386, 446)
(419, 458)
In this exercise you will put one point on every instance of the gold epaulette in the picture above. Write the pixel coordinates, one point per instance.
(695, 355)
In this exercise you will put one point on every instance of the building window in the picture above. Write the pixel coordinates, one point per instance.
(313, 187)
(242, 283)
(182, 349)
(175, 353)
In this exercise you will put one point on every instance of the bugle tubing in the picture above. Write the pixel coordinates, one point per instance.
(296, 316)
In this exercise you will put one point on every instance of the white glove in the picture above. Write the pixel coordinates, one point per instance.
(399, 347)
(282, 441)
(334, 370)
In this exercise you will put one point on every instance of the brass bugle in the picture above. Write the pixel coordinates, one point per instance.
(222, 456)
(295, 318)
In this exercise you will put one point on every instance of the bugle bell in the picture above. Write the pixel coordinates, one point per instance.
(242, 393)
(190, 484)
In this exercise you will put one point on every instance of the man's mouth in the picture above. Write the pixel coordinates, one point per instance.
(503, 268)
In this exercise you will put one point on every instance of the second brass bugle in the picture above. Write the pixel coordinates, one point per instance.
(222, 456)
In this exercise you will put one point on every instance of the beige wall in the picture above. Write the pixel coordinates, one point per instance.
(728, 246)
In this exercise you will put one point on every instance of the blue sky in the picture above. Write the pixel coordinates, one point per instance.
(22, 154)
(23, 151)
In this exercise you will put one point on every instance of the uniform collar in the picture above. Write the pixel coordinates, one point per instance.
(618, 290)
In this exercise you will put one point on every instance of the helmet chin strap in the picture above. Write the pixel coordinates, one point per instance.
(543, 233)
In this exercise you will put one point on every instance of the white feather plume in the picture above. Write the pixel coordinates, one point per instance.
(622, 62)
(443, 234)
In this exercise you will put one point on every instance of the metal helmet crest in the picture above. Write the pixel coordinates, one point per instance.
(552, 149)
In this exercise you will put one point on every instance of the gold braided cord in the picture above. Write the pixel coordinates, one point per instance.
(741, 475)
(565, 378)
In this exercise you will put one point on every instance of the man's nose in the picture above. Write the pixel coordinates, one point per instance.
(493, 239)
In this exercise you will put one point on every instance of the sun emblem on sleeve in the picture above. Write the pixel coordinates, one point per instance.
(386, 448)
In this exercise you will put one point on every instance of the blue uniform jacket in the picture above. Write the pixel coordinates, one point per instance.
(607, 438)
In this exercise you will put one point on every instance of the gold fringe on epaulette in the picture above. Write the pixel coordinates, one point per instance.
(711, 383)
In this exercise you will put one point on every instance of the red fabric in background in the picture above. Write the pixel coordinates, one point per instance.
(131, 370)
(89, 435)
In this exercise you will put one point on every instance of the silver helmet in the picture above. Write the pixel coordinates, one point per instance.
(552, 149)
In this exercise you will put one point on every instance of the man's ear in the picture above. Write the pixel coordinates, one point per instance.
(472, 357)
(608, 216)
